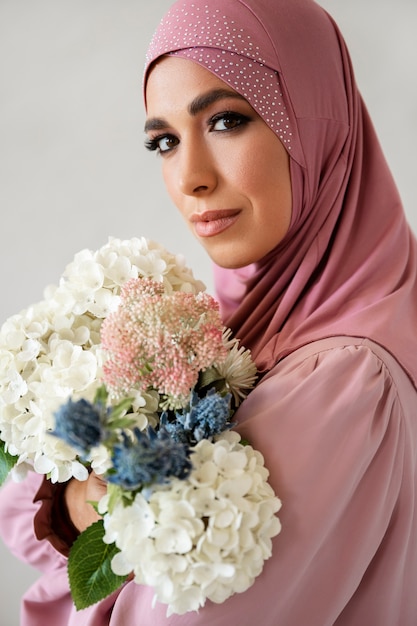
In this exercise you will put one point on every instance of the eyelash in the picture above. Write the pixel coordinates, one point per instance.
(154, 143)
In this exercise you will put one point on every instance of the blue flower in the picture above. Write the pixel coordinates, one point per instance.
(205, 418)
(149, 458)
(79, 425)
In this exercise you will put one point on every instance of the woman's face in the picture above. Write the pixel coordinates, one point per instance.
(223, 167)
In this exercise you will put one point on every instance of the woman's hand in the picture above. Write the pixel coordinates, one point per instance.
(79, 494)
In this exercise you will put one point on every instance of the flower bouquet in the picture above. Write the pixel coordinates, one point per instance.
(126, 369)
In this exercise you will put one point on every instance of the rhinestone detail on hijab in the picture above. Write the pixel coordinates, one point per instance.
(230, 53)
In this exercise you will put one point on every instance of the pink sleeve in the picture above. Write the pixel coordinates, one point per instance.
(17, 512)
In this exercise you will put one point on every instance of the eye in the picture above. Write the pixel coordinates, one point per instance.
(227, 121)
(162, 144)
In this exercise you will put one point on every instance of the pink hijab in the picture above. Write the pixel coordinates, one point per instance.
(348, 265)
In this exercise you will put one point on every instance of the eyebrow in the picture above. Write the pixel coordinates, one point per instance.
(196, 106)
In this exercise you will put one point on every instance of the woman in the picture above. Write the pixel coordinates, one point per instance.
(269, 154)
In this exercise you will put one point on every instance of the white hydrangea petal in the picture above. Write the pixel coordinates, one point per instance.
(103, 504)
(204, 475)
(235, 488)
(191, 599)
(30, 350)
(204, 501)
(172, 539)
(14, 387)
(228, 462)
(43, 465)
(120, 566)
(79, 471)
(121, 270)
(100, 459)
(20, 471)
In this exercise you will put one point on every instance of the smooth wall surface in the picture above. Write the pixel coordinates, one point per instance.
(73, 169)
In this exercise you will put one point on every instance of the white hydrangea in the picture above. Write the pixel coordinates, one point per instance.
(205, 537)
(51, 350)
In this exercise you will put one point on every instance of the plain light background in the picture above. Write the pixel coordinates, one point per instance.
(73, 170)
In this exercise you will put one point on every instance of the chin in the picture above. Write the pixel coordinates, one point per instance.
(233, 256)
(230, 262)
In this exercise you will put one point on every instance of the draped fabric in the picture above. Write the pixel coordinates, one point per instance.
(348, 264)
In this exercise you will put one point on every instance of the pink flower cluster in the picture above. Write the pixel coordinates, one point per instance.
(160, 341)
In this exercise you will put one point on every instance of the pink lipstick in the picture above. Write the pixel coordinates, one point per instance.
(212, 223)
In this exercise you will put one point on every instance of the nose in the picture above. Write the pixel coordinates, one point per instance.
(197, 173)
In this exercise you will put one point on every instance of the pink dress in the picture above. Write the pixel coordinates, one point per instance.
(337, 423)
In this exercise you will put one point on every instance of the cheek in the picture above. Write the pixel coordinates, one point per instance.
(236, 163)
(254, 177)
(180, 201)
(171, 185)
(257, 167)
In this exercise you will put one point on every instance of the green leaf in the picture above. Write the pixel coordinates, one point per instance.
(7, 461)
(122, 422)
(90, 575)
(116, 494)
(101, 396)
(121, 408)
(210, 376)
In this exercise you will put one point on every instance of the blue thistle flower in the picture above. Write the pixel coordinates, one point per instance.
(205, 418)
(78, 424)
(149, 458)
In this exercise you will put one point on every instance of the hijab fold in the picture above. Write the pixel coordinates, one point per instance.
(348, 264)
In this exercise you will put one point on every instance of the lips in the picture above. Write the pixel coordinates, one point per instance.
(212, 223)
